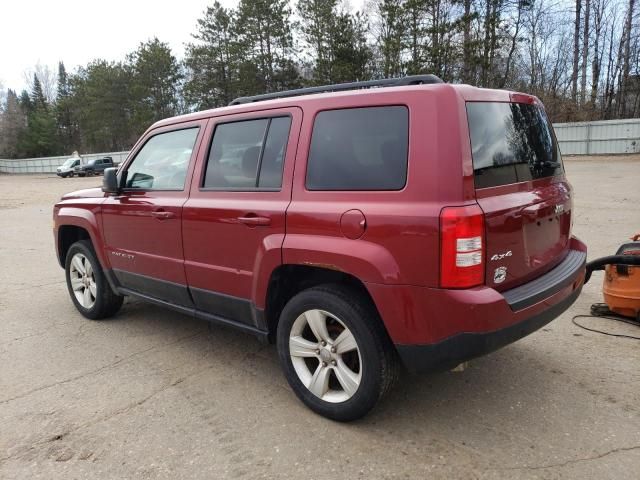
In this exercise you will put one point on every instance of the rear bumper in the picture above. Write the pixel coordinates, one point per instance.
(465, 346)
(436, 329)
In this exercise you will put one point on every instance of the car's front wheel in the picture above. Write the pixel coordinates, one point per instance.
(89, 289)
(334, 352)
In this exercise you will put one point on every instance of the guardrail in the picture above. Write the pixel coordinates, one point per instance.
(605, 137)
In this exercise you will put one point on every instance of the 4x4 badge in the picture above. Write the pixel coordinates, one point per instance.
(500, 256)
(500, 275)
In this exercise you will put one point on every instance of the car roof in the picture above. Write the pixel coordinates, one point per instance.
(466, 92)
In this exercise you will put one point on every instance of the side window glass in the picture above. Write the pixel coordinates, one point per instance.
(248, 155)
(275, 150)
(359, 149)
(162, 162)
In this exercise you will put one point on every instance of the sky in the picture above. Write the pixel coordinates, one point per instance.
(78, 31)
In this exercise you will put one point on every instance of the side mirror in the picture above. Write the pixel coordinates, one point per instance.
(110, 181)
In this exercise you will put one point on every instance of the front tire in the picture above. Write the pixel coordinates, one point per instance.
(334, 352)
(88, 286)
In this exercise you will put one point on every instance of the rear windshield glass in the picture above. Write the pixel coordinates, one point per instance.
(510, 143)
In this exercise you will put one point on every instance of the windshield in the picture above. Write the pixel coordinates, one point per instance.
(510, 143)
(69, 162)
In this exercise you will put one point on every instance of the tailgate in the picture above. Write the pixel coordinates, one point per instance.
(521, 188)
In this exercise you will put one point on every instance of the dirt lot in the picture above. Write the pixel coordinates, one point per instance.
(153, 394)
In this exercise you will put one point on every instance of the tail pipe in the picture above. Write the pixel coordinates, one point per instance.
(600, 263)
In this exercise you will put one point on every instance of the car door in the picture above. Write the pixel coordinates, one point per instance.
(234, 220)
(142, 224)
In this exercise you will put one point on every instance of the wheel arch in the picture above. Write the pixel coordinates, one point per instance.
(287, 280)
(75, 224)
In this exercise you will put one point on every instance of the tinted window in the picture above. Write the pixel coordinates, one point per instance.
(163, 161)
(248, 155)
(359, 149)
(511, 142)
(274, 152)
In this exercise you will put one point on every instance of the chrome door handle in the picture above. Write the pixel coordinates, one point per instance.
(162, 215)
(255, 221)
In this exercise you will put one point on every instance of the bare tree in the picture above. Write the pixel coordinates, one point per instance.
(576, 53)
(48, 79)
(585, 52)
(626, 59)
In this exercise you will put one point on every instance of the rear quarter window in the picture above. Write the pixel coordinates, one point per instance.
(359, 149)
(511, 143)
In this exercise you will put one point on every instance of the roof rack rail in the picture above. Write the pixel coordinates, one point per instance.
(387, 82)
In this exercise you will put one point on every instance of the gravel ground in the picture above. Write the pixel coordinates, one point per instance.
(154, 394)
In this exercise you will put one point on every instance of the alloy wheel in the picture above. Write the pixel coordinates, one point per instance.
(325, 356)
(83, 282)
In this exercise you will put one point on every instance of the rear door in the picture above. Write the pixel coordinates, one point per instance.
(521, 187)
(234, 220)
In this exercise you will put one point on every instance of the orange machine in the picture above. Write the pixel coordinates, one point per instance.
(621, 287)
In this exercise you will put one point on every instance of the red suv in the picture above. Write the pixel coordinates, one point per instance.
(358, 226)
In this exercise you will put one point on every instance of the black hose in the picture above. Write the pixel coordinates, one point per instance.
(600, 263)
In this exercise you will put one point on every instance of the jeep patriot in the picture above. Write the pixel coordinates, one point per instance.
(361, 227)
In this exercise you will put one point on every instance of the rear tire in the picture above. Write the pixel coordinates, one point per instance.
(87, 284)
(335, 353)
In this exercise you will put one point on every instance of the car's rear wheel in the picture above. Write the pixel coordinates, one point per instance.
(71, 174)
(334, 352)
(88, 287)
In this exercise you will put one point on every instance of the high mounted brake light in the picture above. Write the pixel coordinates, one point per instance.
(462, 246)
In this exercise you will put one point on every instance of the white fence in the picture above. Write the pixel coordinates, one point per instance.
(49, 164)
(599, 138)
(606, 137)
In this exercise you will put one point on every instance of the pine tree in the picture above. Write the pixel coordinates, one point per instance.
(415, 11)
(317, 26)
(103, 106)
(352, 56)
(38, 99)
(39, 138)
(155, 79)
(67, 130)
(391, 30)
(264, 33)
(13, 121)
(212, 64)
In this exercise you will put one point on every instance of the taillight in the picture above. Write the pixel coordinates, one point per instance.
(461, 247)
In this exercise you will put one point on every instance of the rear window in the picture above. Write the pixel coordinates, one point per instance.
(359, 149)
(510, 143)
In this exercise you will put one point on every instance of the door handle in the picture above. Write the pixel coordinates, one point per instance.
(255, 221)
(162, 215)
